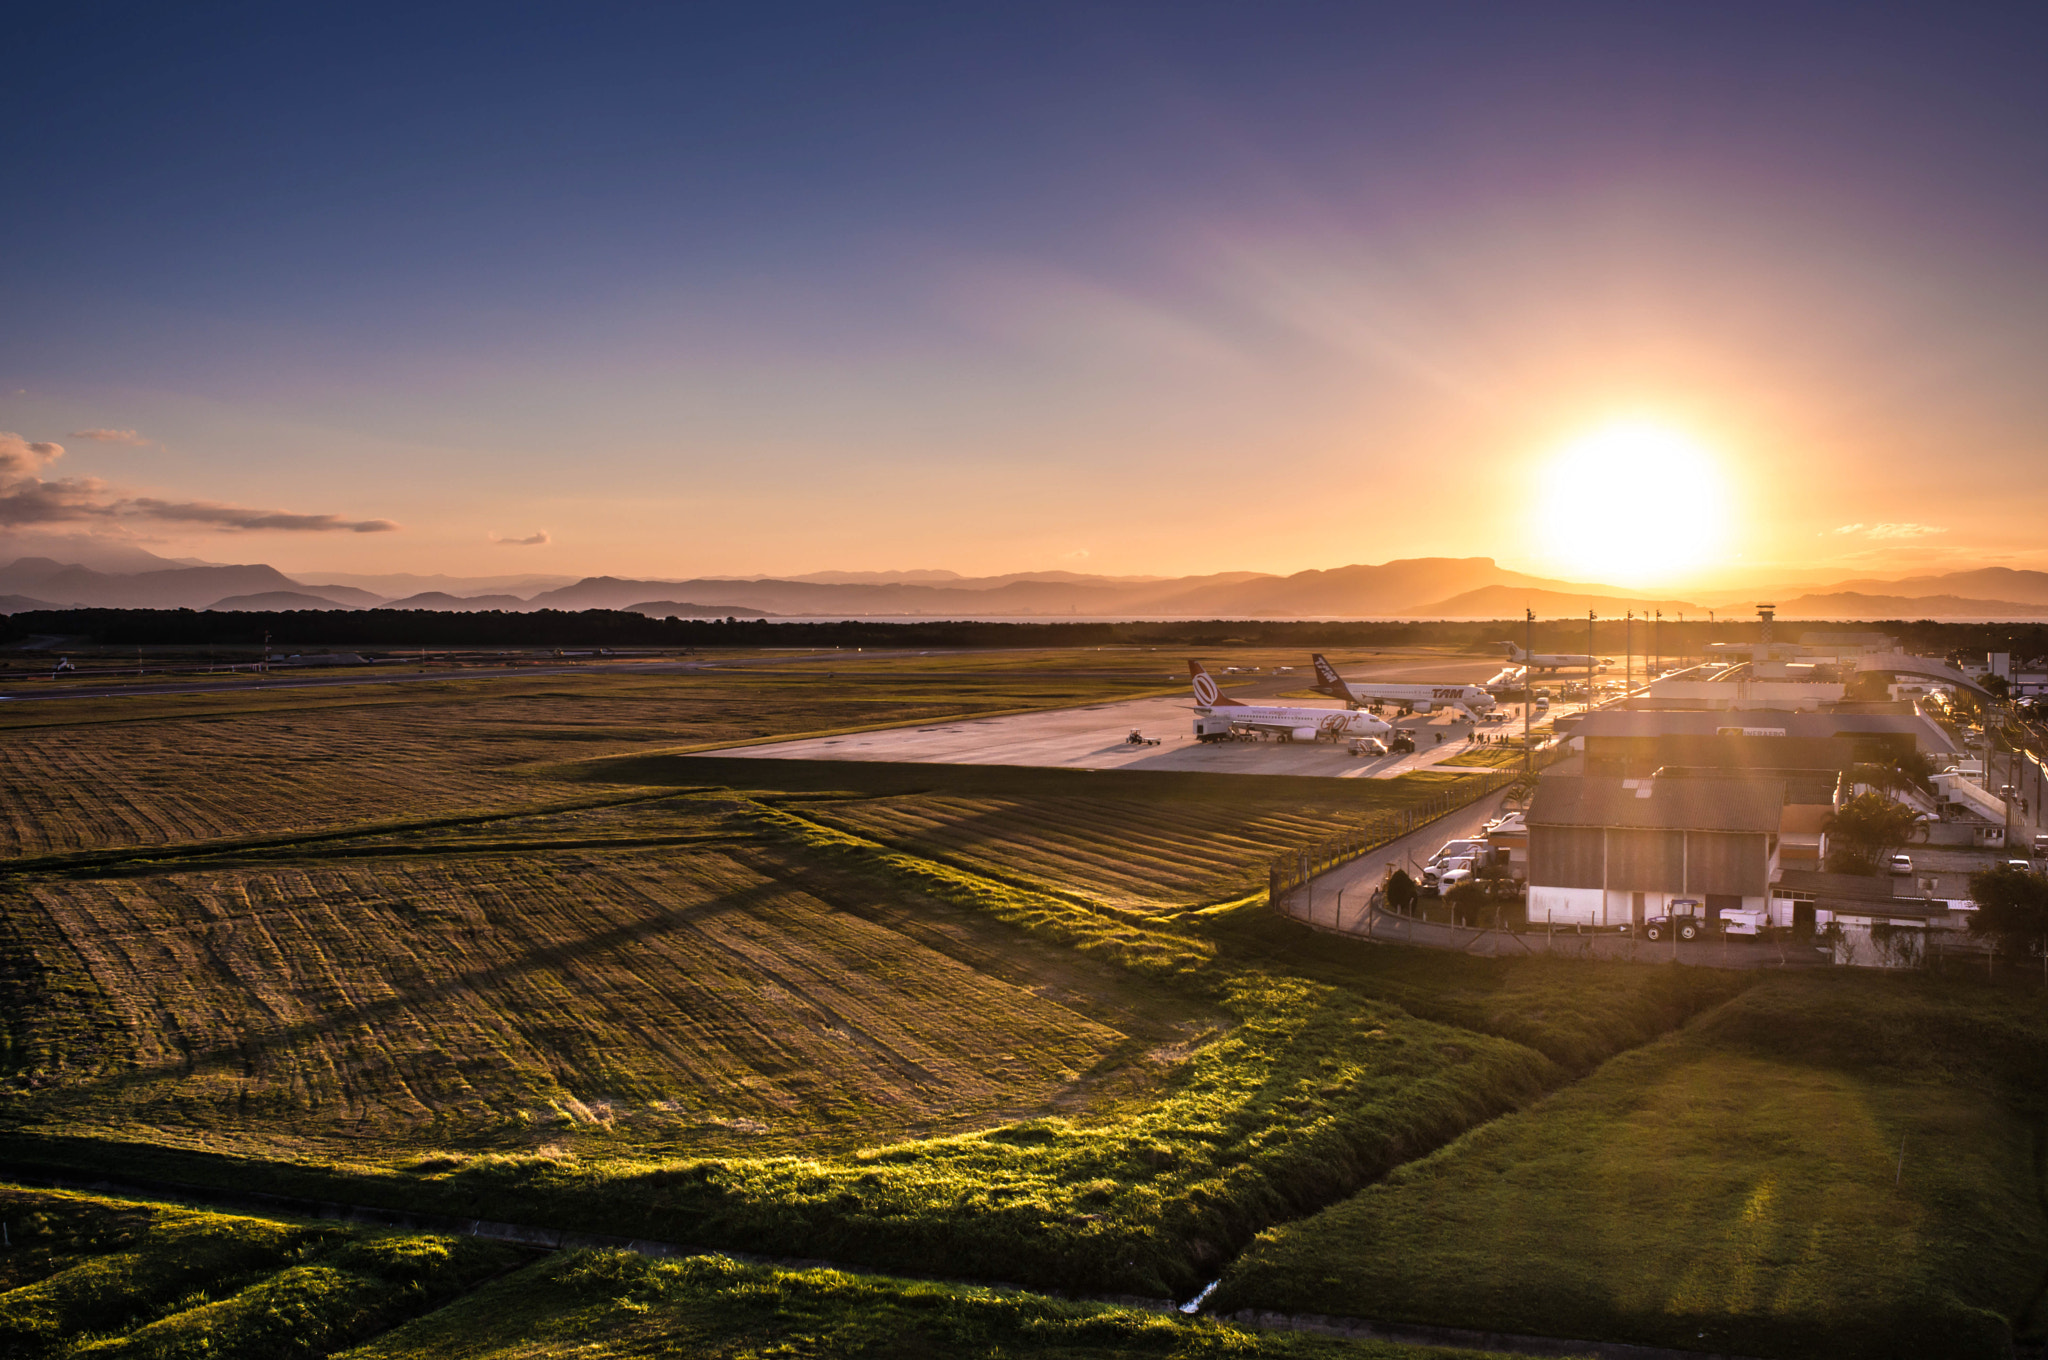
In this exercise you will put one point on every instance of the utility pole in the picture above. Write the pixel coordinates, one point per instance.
(1628, 654)
(1528, 695)
(1589, 661)
(1657, 641)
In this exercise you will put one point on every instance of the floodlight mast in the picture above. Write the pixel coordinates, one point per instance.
(1528, 687)
(1589, 661)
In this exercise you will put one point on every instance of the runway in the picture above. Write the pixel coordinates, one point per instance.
(1095, 737)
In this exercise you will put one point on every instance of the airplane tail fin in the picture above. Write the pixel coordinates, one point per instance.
(1207, 695)
(1331, 683)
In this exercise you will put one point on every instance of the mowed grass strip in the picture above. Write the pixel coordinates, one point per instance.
(122, 772)
(611, 1306)
(1314, 1092)
(703, 1000)
(1825, 1166)
(99, 1276)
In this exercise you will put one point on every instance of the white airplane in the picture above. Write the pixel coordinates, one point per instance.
(1510, 681)
(1471, 700)
(1553, 661)
(1290, 723)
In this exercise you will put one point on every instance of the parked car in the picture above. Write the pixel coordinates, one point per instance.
(1443, 875)
(1901, 865)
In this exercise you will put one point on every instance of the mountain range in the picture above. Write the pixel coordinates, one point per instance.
(1428, 587)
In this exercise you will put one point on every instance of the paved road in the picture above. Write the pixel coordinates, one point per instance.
(1338, 899)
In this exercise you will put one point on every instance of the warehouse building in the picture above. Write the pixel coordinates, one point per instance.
(1629, 744)
(1609, 852)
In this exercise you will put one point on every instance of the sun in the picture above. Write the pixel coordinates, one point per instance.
(1633, 502)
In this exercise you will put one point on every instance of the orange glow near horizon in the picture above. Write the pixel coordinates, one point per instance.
(1635, 502)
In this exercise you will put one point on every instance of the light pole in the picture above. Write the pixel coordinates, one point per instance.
(1528, 698)
(1589, 660)
(1628, 655)
(1657, 641)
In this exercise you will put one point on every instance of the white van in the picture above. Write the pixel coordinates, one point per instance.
(1451, 850)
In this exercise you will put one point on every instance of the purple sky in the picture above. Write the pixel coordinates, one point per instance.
(698, 289)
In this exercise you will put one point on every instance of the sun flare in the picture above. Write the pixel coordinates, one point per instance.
(1632, 502)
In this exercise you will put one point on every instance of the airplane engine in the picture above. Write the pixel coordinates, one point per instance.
(1304, 734)
(1422, 706)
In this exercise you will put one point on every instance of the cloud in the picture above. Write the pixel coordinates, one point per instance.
(128, 437)
(27, 498)
(1890, 531)
(539, 540)
(19, 458)
(236, 517)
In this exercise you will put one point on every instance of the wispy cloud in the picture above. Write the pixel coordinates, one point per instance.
(1889, 530)
(223, 516)
(26, 497)
(538, 540)
(128, 437)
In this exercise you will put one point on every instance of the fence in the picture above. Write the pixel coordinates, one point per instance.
(1294, 870)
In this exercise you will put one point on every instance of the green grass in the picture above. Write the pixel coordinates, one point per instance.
(94, 1276)
(1728, 1188)
(499, 952)
(1314, 1092)
(610, 1306)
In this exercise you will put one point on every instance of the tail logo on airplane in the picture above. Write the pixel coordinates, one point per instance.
(1206, 692)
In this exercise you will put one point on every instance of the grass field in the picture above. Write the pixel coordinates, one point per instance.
(1825, 1166)
(494, 949)
(89, 1275)
(715, 995)
(609, 1306)
(154, 771)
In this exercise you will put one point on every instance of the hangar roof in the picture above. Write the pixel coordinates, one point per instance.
(1665, 804)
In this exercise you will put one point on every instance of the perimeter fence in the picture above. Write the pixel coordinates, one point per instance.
(1302, 865)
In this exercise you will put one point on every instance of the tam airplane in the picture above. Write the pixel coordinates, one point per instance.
(1288, 722)
(1467, 699)
(1552, 661)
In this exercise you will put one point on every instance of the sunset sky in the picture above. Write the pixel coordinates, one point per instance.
(704, 289)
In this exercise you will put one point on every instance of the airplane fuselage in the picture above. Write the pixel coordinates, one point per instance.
(1556, 661)
(1301, 724)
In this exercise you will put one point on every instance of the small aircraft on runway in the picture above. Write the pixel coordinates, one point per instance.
(1221, 717)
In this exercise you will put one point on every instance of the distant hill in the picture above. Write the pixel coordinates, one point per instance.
(274, 601)
(1422, 587)
(1992, 585)
(457, 604)
(16, 604)
(1508, 602)
(671, 609)
(1390, 589)
(1854, 605)
(169, 588)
